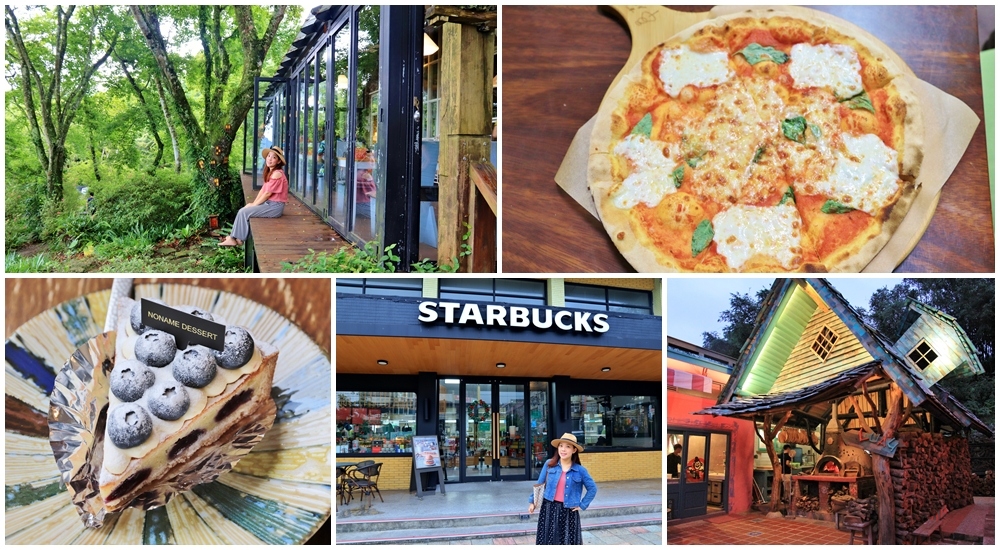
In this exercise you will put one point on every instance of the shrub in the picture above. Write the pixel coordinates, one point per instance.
(347, 260)
(159, 203)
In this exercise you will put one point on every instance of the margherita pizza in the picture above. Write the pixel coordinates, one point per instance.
(760, 144)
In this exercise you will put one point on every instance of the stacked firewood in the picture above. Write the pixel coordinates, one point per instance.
(985, 486)
(864, 509)
(839, 499)
(929, 471)
(807, 503)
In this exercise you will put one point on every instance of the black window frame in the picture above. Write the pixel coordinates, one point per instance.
(501, 296)
(609, 304)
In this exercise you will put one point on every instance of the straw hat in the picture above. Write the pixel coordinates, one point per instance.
(567, 438)
(277, 151)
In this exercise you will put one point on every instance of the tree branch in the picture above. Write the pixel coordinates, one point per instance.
(149, 24)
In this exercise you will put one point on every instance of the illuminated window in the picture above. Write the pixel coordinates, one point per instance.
(922, 355)
(824, 343)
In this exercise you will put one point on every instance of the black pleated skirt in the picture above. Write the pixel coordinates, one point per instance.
(558, 524)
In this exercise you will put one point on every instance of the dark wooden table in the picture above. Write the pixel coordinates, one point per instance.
(558, 62)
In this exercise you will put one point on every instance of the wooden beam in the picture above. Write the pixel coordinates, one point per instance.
(880, 469)
(466, 127)
(483, 218)
(439, 15)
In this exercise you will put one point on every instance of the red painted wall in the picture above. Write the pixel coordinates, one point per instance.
(741, 442)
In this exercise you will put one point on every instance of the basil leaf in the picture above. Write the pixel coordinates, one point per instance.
(788, 196)
(703, 235)
(645, 126)
(860, 101)
(794, 128)
(678, 175)
(815, 130)
(834, 207)
(693, 161)
(758, 154)
(755, 53)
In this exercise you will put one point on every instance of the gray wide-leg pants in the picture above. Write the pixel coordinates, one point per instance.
(241, 227)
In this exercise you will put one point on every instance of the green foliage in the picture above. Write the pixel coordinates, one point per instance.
(739, 319)
(35, 264)
(227, 260)
(159, 203)
(368, 259)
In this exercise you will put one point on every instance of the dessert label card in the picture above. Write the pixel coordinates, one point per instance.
(187, 329)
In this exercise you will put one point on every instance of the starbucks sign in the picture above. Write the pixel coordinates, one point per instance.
(495, 315)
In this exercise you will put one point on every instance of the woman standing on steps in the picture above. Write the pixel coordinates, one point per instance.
(564, 478)
(270, 201)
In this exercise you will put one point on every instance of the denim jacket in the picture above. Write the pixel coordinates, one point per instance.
(576, 479)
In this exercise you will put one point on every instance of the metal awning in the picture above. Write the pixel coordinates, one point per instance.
(689, 381)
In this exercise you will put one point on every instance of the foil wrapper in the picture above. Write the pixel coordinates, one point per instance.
(77, 413)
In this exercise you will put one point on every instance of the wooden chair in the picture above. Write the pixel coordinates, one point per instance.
(854, 524)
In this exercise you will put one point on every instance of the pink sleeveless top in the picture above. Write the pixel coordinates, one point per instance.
(278, 187)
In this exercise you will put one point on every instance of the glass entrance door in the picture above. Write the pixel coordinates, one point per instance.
(486, 430)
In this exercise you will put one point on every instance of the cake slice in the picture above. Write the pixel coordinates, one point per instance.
(171, 412)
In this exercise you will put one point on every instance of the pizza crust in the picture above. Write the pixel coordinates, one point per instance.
(610, 122)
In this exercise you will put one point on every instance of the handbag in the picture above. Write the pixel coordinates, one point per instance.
(539, 491)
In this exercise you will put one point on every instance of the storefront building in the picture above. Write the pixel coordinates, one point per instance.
(496, 369)
(716, 463)
(358, 108)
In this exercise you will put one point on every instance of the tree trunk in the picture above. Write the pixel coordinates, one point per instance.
(880, 469)
(150, 117)
(54, 172)
(171, 129)
(768, 439)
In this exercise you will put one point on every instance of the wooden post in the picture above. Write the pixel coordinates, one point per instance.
(768, 438)
(880, 469)
(466, 127)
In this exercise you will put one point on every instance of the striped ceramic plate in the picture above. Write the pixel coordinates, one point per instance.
(278, 494)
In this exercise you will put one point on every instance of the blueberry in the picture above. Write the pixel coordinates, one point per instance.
(238, 350)
(155, 348)
(195, 367)
(168, 400)
(130, 379)
(197, 312)
(135, 317)
(129, 425)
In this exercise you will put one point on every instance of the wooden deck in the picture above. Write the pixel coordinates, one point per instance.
(288, 238)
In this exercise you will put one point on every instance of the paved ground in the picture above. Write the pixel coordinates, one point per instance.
(646, 534)
(756, 529)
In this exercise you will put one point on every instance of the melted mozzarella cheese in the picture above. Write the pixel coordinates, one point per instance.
(865, 177)
(651, 178)
(680, 67)
(745, 115)
(833, 65)
(742, 231)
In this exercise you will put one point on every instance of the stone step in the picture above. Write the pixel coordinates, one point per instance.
(453, 532)
(594, 514)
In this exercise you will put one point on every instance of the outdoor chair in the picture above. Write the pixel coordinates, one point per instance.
(365, 479)
(347, 481)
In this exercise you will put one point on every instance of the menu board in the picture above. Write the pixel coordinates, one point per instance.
(426, 455)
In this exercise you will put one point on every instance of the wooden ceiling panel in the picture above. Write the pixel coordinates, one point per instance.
(360, 355)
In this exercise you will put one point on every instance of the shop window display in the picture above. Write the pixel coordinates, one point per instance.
(375, 422)
(613, 421)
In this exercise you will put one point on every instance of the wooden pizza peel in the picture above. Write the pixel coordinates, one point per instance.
(948, 124)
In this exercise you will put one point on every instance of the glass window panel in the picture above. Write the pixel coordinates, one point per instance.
(339, 192)
(367, 170)
(520, 288)
(694, 466)
(449, 433)
(375, 422)
(539, 395)
(585, 293)
(321, 156)
(614, 421)
(310, 135)
(478, 429)
(675, 445)
(301, 145)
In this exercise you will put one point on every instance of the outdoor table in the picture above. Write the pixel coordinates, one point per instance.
(554, 79)
(824, 489)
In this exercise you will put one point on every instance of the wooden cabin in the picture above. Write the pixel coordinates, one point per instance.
(813, 372)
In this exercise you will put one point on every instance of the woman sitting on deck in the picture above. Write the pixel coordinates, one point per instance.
(270, 202)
